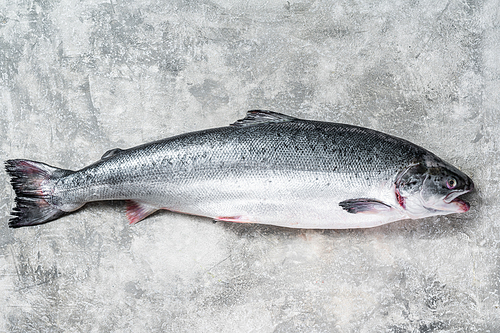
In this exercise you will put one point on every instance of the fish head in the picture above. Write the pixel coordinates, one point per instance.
(432, 187)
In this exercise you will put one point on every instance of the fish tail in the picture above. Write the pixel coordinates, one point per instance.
(33, 183)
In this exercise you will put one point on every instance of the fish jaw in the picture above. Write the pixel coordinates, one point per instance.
(461, 205)
(416, 209)
(457, 205)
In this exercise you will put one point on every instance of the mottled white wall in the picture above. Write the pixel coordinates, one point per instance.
(80, 77)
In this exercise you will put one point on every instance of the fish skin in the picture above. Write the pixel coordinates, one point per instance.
(266, 168)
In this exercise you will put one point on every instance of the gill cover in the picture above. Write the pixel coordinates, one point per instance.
(409, 182)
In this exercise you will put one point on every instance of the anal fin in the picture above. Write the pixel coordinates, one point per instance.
(363, 205)
(137, 211)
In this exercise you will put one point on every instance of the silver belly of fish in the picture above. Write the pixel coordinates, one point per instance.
(267, 168)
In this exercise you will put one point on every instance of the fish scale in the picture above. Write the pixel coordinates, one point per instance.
(266, 168)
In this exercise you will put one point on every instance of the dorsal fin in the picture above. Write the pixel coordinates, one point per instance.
(110, 153)
(255, 117)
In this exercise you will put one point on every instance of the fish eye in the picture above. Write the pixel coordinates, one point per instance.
(451, 183)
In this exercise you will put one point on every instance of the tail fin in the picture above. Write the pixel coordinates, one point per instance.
(33, 183)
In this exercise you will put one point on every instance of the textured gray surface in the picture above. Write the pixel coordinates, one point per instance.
(79, 78)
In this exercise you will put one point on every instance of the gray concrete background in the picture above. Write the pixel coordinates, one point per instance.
(80, 77)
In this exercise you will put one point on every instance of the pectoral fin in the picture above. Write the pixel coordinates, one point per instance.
(137, 211)
(363, 205)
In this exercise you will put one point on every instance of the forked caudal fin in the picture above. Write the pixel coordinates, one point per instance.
(33, 182)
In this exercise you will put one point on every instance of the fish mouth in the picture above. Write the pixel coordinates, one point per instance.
(452, 203)
(460, 205)
(453, 196)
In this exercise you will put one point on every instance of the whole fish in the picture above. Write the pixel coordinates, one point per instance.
(267, 168)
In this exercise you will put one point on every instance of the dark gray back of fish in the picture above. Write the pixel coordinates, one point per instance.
(290, 146)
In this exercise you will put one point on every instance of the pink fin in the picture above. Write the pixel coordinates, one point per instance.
(137, 211)
(237, 219)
